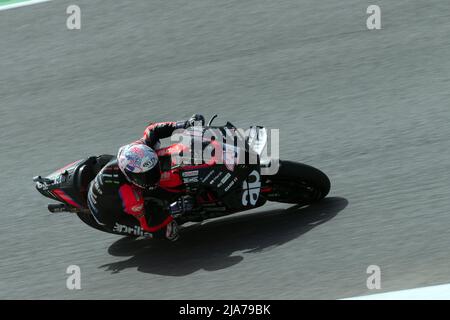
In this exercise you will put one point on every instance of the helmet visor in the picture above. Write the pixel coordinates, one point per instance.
(145, 179)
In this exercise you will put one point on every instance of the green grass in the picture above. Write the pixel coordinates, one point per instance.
(5, 2)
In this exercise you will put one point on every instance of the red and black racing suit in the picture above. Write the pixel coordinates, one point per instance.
(119, 206)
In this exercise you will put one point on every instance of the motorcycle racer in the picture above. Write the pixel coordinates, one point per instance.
(116, 195)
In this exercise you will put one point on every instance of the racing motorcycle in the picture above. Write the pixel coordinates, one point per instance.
(217, 188)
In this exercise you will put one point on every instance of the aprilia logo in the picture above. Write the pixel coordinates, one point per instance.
(136, 230)
(251, 188)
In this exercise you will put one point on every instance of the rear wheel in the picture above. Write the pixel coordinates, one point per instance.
(297, 183)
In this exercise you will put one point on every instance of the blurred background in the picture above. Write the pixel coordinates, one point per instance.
(369, 108)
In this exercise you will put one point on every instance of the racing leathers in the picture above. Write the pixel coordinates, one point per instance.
(119, 206)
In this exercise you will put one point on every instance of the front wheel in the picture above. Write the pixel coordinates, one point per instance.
(296, 183)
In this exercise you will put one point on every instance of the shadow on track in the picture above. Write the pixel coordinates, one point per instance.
(211, 246)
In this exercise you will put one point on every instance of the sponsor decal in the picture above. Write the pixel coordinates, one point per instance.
(136, 230)
(231, 184)
(42, 186)
(190, 173)
(251, 188)
(208, 175)
(213, 180)
(224, 179)
(190, 180)
(97, 187)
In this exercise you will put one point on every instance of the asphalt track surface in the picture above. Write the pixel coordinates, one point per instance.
(369, 108)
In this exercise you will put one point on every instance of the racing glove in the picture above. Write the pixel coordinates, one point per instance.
(194, 120)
